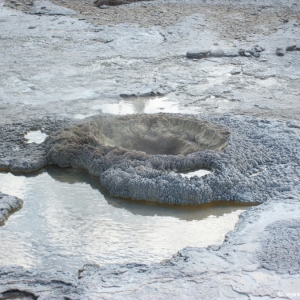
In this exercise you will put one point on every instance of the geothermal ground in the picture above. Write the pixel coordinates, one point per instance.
(219, 82)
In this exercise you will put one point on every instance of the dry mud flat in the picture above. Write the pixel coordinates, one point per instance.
(54, 67)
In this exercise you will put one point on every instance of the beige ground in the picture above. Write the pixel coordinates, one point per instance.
(231, 22)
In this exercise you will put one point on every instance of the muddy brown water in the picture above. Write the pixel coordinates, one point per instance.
(68, 220)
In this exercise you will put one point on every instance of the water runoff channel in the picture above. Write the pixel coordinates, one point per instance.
(68, 220)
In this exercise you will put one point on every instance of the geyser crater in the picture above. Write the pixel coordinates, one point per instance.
(132, 155)
(152, 134)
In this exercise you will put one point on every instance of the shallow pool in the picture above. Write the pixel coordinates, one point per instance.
(68, 220)
(134, 105)
(35, 136)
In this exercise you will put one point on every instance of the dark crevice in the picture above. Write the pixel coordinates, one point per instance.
(17, 294)
(99, 3)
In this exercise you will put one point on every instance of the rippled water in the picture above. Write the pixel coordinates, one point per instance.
(134, 105)
(67, 220)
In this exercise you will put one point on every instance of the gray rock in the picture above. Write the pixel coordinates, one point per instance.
(217, 53)
(229, 53)
(162, 91)
(100, 3)
(281, 250)
(256, 51)
(198, 54)
(235, 71)
(279, 52)
(241, 52)
(29, 157)
(131, 173)
(8, 204)
(291, 48)
(246, 53)
(145, 92)
(142, 92)
(128, 94)
(249, 53)
(256, 54)
(252, 51)
(258, 48)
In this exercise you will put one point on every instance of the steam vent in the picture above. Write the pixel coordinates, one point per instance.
(139, 156)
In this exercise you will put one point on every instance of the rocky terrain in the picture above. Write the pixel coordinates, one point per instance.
(8, 204)
(234, 63)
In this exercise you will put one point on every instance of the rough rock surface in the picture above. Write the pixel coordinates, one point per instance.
(8, 204)
(246, 171)
(100, 3)
(281, 250)
(237, 269)
(254, 167)
(91, 62)
(18, 155)
(65, 66)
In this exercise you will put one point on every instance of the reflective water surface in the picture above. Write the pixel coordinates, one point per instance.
(199, 173)
(68, 220)
(35, 136)
(134, 105)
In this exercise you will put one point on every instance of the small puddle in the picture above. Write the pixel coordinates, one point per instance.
(219, 104)
(35, 136)
(135, 105)
(82, 116)
(199, 173)
(67, 220)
